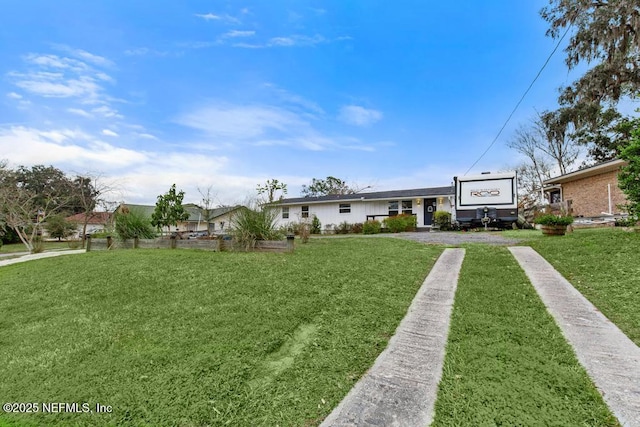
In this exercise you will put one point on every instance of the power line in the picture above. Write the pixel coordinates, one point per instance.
(520, 102)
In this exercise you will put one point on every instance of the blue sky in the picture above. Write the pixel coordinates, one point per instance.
(228, 94)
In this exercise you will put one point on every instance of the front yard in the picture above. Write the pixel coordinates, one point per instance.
(181, 337)
(201, 338)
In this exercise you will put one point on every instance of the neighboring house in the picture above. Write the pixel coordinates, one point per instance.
(591, 192)
(219, 218)
(96, 223)
(360, 207)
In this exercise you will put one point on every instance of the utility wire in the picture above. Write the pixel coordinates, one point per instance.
(520, 102)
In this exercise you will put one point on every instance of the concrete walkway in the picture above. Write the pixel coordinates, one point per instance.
(29, 257)
(401, 387)
(611, 359)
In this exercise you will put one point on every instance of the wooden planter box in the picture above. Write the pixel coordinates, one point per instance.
(553, 230)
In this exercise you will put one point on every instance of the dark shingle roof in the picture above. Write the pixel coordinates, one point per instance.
(376, 195)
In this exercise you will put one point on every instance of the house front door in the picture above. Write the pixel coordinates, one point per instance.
(429, 209)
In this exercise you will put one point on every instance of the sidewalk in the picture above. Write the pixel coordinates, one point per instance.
(611, 359)
(29, 257)
(401, 387)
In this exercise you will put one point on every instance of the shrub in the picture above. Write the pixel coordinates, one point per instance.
(402, 222)
(38, 245)
(343, 228)
(132, 223)
(356, 228)
(329, 228)
(371, 227)
(305, 231)
(626, 222)
(316, 226)
(250, 225)
(442, 219)
(550, 219)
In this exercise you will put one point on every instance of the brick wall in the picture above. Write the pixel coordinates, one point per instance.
(589, 196)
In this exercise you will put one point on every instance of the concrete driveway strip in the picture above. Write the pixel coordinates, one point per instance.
(30, 257)
(611, 359)
(401, 387)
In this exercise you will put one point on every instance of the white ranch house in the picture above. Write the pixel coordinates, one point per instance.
(360, 207)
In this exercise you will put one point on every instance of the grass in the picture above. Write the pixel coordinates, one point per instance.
(507, 362)
(603, 265)
(196, 338)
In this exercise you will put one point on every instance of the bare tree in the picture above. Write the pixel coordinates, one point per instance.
(207, 205)
(554, 126)
(90, 191)
(528, 141)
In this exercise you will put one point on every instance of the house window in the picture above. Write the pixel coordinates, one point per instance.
(285, 212)
(407, 207)
(305, 212)
(393, 208)
(345, 207)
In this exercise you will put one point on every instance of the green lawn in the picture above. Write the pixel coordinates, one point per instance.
(195, 338)
(507, 363)
(604, 265)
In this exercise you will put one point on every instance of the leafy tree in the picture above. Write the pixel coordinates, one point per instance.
(29, 197)
(629, 177)
(324, 187)
(48, 186)
(59, 228)
(606, 32)
(271, 187)
(169, 209)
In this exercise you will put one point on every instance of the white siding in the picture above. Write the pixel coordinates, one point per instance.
(329, 212)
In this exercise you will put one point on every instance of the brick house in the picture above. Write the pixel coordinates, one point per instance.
(590, 192)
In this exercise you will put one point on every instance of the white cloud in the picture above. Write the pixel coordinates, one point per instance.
(80, 112)
(240, 122)
(141, 51)
(146, 136)
(107, 112)
(29, 146)
(296, 40)
(213, 17)
(306, 106)
(55, 85)
(14, 95)
(84, 55)
(237, 33)
(359, 116)
(54, 76)
(264, 125)
(108, 132)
